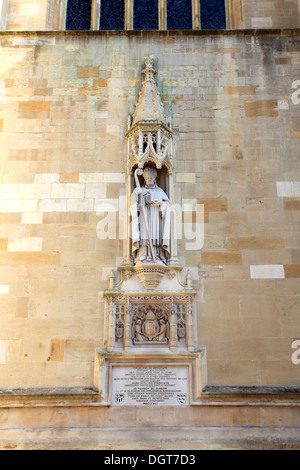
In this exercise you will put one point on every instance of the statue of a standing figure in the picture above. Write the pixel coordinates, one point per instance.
(150, 210)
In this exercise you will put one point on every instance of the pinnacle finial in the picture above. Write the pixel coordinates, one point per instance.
(149, 70)
(189, 279)
(111, 279)
(149, 106)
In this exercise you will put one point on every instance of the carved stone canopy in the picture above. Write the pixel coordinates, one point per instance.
(149, 107)
(150, 133)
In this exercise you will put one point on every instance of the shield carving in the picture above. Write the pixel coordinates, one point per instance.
(182, 398)
(119, 398)
(150, 326)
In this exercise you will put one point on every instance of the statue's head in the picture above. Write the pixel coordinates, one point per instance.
(150, 174)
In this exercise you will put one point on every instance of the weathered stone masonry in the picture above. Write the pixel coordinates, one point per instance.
(64, 102)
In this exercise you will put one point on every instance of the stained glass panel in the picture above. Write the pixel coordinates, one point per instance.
(112, 14)
(78, 14)
(145, 14)
(213, 14)
(179, 14)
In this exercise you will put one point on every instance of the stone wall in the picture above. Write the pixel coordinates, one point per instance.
(27, 16)
(3, 13)
(272, 14)
(64, 103)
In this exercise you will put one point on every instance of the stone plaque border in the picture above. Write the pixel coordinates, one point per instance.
(196, 363)
(152, 365)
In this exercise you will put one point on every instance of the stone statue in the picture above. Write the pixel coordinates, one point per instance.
(162, 331)
(138, 331)
(150, 211)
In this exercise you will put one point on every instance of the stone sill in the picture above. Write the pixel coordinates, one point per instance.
(158, 33)
(252, 390)
(253, 394)
(48, 391)
(212, 396)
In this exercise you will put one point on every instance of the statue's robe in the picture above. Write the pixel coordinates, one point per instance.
(158, 217)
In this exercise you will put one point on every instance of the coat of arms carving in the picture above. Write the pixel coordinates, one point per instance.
(150, 327)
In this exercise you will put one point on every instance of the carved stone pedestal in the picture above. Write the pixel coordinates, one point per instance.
(150, 357)
(139, 317)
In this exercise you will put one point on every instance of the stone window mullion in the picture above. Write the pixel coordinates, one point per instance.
(196, 14)
(95, 18)
(162, 14)
(129, 14)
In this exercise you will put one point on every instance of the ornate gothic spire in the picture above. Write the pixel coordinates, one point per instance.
(149, 107)
(149, 132)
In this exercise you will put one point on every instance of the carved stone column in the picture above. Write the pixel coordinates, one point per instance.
(189, 325)
(127, 332)
(173, 329)
(174, 250)
(111, 326)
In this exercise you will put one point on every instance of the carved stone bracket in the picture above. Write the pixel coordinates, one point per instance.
(150, 275)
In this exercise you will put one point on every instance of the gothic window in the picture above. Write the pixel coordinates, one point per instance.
(145, 14)
(213, 14)
(179, 14)
(78, 14)
(112, 14)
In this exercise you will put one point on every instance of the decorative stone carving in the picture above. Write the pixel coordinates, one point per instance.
(150, 310)
(150, 325)
(150, 151)
(151, 320)
(150, 133)
(119, 329)
(150, 275)
(149, 305)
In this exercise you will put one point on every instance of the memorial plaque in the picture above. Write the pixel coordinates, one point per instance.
(150, 385)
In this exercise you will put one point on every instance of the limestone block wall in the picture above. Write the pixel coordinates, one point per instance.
(34, 15)
(3, 13)
(26, 16)
(271, 13)
(64, 101)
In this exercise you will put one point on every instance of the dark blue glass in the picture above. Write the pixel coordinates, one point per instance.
(78, 14)
(145, 14)
(112, 14)
(179, 14)
(212, 14)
